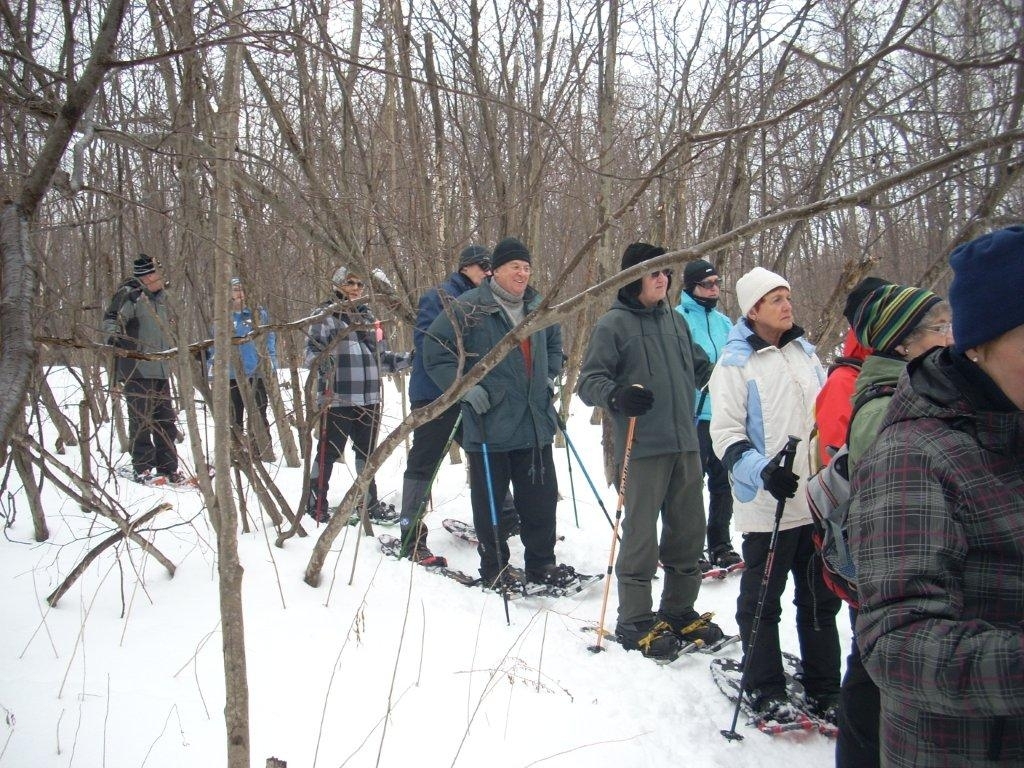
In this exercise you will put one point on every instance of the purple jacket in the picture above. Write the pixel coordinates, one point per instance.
(937, 531)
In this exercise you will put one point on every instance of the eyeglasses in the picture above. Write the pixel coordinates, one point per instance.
(354, 283)
(484, 265)
(943, 329)
(708, 285)
(665, 272)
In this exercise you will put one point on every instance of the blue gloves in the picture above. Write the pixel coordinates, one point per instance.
(478, 400)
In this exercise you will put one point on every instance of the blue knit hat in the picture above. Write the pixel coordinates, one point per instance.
(988, 280)
(474, 254)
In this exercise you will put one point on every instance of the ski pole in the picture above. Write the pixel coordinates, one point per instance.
(568, 442)
(494, 510)
(596, 648)
(785, 458)
(700, 404)
(568, 460)
(422, 504)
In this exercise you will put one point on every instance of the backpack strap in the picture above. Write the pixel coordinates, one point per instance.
(873, 392)
(848, 362)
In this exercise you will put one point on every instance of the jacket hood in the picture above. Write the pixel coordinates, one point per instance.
(853, 348)
(938, 386)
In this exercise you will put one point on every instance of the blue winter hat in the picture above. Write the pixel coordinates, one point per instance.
(474, 254)
(988, 280)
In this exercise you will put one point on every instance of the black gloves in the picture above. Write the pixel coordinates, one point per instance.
(779, 481)
(631, 401)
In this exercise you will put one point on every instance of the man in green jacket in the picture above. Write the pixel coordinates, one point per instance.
(137, 320)
(508, 417)
(642, 362)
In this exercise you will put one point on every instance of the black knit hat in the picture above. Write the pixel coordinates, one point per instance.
(144, 265)
(508, 250)
(697, 271)
(474, 254)
(634, 254)
(860, 292)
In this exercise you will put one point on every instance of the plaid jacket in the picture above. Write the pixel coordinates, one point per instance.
(937, 530)
(348, 359)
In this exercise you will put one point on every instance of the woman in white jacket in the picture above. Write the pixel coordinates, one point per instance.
(764, 387)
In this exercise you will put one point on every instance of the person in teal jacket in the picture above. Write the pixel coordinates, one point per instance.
(709, 328)
(509, 413)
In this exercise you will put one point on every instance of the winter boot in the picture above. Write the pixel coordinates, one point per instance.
(316, 507)
(379, 512)
(414, 492)
(654, 639)
(509, 580)
(414, 541)
(553, 575)
(705, 566)
(691, 627)
(774, 707)
(726, 557)
(824, 707)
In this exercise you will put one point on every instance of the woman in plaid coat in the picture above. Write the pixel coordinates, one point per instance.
(937, 531)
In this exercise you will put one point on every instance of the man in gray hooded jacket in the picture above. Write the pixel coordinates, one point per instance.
(137, 320)
(642, 362)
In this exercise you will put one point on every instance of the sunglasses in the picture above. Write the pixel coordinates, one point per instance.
(484, 265)
(354, 283)
(708, 285)
(665, 272)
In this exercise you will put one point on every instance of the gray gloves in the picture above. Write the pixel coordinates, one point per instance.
(478, 400)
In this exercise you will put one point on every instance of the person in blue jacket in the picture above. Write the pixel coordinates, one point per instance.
(244, 321)
(702, 287)
(430, 440)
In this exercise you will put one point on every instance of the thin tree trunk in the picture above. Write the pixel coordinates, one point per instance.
(229, 567)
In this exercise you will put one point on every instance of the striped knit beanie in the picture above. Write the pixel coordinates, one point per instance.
(889, 314)
(144, 265)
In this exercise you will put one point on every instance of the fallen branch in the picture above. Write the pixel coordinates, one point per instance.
(96, 551)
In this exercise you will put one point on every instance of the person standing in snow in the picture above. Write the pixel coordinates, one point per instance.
(346, 346)
(137, 319)
(900, 323)
(764, 387)
(937, 530)
(430, 440)
(710, 328)
(243, 322)
(642, 362)
(509, 413)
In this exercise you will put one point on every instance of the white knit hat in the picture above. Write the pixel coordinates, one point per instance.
(754, 285)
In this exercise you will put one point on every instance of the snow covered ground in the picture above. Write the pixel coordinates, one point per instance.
(384, 664)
